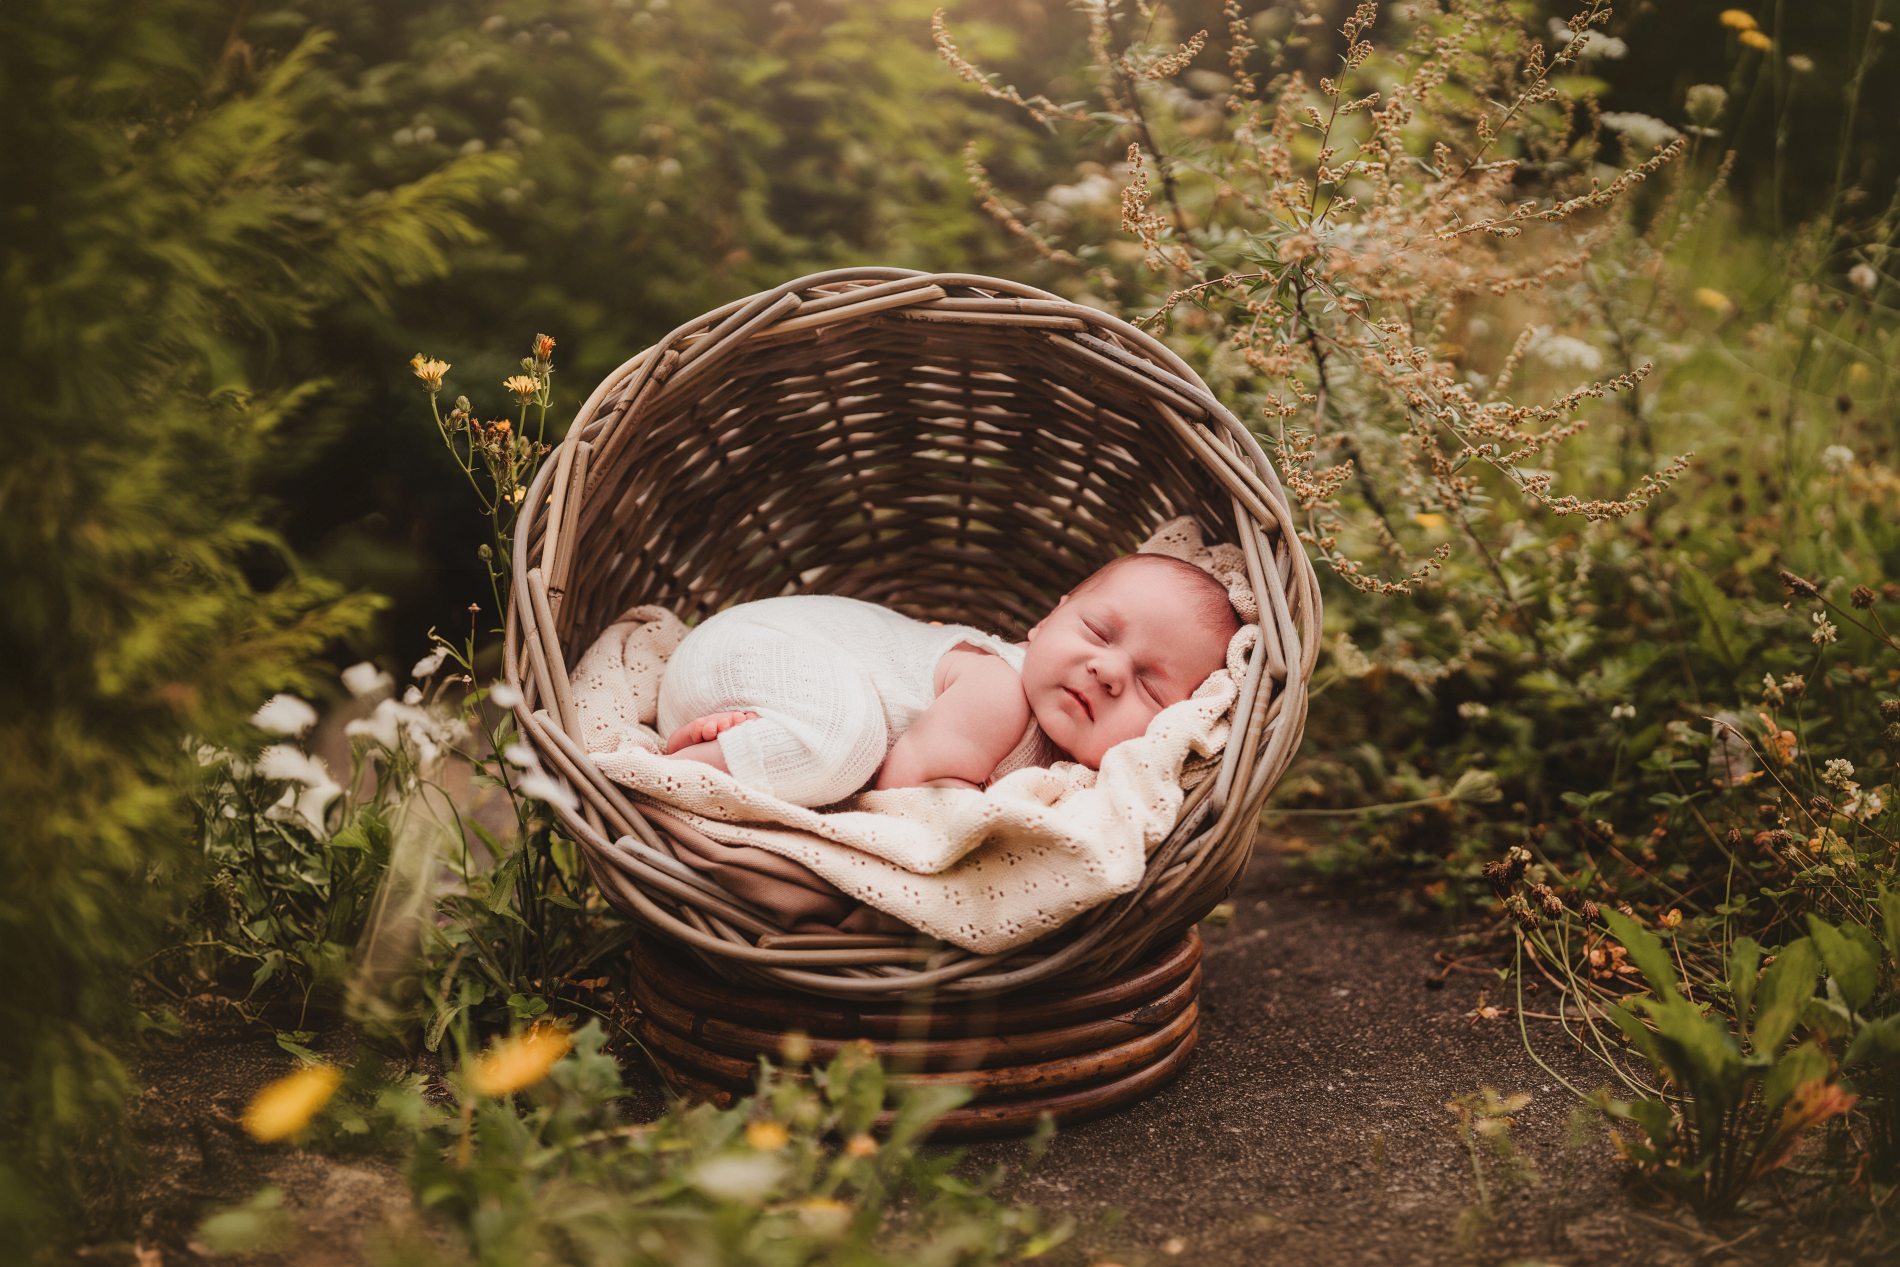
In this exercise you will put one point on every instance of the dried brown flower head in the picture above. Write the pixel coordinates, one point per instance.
(1797, 585)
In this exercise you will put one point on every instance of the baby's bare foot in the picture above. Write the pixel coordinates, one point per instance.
(704, 729)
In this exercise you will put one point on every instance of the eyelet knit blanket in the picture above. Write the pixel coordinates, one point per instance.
(985, 870)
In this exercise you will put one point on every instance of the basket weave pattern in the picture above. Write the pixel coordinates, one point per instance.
(958, 447)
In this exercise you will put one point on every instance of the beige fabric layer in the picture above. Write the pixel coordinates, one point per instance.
(985, 870)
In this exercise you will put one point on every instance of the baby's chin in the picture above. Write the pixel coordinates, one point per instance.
(1054, 724)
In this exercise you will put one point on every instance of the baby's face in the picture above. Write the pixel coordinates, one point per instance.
(1106, 660)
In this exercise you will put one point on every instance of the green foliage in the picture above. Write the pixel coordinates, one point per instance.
(790, 1175)
(664, 159)
(162, 240)
(1742, 1096)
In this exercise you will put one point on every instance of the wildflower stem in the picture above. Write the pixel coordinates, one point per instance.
(1163, 164)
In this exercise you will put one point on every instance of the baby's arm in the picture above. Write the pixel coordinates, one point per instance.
(967, 729)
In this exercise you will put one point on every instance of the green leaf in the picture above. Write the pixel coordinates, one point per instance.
(1804, 1064)
(1639, 1034)
(1785, 988)
(260, 1223)
(1700, 1053)
(1655, 1118)
(354, 835)
(526, 1006)
(1890, 923)
(1744, 966)
(1848, 961)
(271, 965)
(1717, 610)
(1646, 951)
(293, 1042)
(1877, 1040)
(501, 882)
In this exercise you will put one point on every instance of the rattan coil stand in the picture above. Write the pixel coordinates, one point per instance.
(959, 447)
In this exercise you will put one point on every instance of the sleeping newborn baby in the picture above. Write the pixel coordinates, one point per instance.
(809, 697)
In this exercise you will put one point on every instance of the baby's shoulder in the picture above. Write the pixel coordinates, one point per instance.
(969, 662)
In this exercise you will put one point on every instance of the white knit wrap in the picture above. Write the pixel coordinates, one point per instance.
(834, 682)
(986, 870)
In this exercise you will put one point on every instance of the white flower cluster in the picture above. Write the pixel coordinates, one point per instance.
(1856, 802)
(1597, 45)
(405, 723)
(1836, 458)
(534, 782)
(1824, 630)
(1646, 130)
(1561, 351)
(311, 791)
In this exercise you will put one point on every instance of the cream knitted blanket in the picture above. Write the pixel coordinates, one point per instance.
(985, 870)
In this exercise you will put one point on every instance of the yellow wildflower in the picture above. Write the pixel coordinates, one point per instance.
(543, 346)
(1737, 19)
(1714, 300)
(1427, 519)
(521, 385)
(861, 1145)
(520, 1061)
(1755, 39)
(1859, 374)
(287, 1105)
(795, 1047)
(429, 370)
(767, 1136)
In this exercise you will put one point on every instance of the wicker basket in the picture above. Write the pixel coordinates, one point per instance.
(958, 447)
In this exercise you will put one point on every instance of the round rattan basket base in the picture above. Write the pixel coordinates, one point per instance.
(1074, 1053)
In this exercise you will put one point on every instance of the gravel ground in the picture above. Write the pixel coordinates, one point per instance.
(1311, 1124)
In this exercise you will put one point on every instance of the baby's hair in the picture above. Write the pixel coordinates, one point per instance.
(1209, 603)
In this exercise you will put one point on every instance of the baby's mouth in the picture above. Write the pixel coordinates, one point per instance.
(1082, 700)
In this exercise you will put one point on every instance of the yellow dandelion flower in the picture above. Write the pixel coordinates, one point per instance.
(518, 1062)
(1714, 300)
(543, 346)
(767, 1137)
(1737, 19)
(1755, 39)
(287, 1105)
(1427, 519)
(429, 370)
(521, 385)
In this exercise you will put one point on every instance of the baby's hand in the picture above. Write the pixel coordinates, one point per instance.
(704, 729)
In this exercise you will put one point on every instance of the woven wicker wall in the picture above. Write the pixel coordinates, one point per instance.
(959, 448)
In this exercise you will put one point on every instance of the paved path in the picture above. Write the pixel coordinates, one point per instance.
(1310, 1125)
